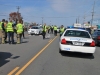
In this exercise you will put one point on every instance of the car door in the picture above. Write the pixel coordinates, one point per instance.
(94, 36)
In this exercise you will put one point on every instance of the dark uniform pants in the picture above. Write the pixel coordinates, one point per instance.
(23, 34)
(43, 34)
(51, 30)
(5, 36)
(48, 30)
(55, 32)
(10, 37)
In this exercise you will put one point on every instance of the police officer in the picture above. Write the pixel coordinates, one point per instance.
(2, 32)
(10, 32)
(19, 28)
(52, 29)
(44, 30)
(5, 24)
(61, 30)
(55, 30)
(23, 31)
(48, 29)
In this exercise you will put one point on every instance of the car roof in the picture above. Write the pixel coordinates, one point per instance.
(77, 29)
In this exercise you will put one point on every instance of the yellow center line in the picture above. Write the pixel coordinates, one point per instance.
(13, 71)
(27, 64)
(50, 40)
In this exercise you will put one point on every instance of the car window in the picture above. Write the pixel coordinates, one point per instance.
(35, 28)
(98, 33)
(75, 33)
(94, 34)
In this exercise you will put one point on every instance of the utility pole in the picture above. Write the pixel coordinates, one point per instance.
(18, 9)
(92, 14)
(18, 12)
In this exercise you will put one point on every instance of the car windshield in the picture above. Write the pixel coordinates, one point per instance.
(76, 33)
(35, 28)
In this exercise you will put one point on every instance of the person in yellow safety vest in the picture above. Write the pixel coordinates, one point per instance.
(52, 29)
(5, 24)
(10, 32)
(44, 30)
(19, 28)
(48, 29)
(55, 30)
(2, 32)
(62, 29)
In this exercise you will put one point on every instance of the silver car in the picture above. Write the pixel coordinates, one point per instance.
(35, 30)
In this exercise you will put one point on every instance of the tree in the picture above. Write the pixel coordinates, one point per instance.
(15, 16)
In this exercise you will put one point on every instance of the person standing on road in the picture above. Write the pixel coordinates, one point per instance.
(19, 28)
(48, 29)
(61, 30)
(2, 32)
(23, 31)
(5, 24)
(52, 29)
(55, 30)
(10, 32)
(44, 30)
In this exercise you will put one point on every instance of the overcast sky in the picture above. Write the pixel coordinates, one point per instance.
(55, 12)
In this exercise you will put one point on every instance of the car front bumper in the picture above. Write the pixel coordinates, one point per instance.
(33, 33)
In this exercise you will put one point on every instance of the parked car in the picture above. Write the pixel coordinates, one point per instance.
(96, 37)
(35, 30)
(77, 40)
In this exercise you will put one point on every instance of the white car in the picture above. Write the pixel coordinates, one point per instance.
(35, 30)
(77, 40)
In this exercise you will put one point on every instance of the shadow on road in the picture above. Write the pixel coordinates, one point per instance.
(25, 41)
(15, 57)
(77, 55)
(3, 57)
(26, 38)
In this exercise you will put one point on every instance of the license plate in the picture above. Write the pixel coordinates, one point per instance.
(78, 43)
(67, 49)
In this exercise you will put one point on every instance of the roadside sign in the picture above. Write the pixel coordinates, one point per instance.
(77, 25)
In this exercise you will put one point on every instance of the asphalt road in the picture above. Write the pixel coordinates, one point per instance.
(36, 56)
